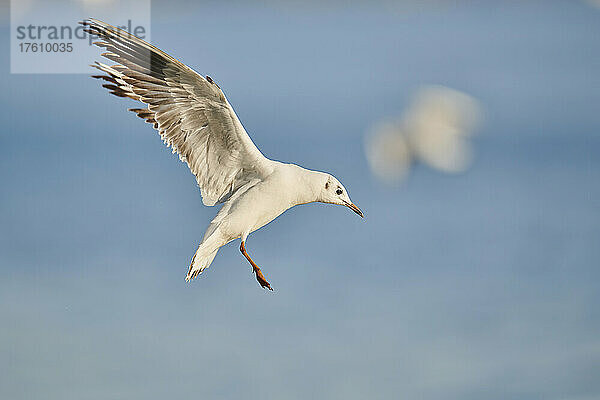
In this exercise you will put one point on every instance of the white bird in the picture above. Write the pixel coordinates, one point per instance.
(194, 118)
(434, 130)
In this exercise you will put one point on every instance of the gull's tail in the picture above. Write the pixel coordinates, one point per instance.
(200, 262)
(206, 252)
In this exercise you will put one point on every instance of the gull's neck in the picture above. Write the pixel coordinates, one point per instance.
(309, 185)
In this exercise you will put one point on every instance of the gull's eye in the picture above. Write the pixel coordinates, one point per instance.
(338, 192)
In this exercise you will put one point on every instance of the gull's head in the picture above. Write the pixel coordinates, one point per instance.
(333, 192)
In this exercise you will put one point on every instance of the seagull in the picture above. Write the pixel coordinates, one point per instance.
(435, 130)
(195, 119)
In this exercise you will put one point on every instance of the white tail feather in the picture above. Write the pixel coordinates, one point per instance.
(206, 251)
(201, 260)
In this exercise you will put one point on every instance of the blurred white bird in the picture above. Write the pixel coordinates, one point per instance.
(434, 129)
(196, 120)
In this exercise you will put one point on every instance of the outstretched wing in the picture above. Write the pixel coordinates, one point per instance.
(190, 111)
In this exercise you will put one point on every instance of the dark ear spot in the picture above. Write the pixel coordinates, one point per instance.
(327, 185)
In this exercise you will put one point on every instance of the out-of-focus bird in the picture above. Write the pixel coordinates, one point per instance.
(434, 130)
(194, 118)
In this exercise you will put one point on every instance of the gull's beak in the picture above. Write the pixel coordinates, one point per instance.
(354, 208)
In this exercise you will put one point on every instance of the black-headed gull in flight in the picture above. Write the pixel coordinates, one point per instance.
(194, 118)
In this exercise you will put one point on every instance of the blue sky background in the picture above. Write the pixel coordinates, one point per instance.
(478, 286)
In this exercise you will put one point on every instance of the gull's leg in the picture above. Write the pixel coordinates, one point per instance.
(259, 275)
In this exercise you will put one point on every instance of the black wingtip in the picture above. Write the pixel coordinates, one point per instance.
(86, 22)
